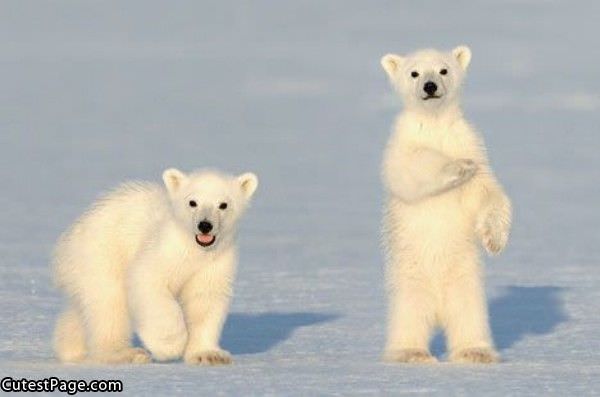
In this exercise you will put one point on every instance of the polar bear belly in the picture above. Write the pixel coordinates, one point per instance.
(432, 231)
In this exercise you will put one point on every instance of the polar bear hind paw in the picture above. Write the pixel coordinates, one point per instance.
(410, 356)
(477, 355)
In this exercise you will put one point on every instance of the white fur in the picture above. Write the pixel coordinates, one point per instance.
(132, 263)
(442, 200)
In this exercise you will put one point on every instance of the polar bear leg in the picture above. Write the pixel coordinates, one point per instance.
(69, 336)
(206, 316)
(159, 322)
(105, 312)
(411, 322)
(466, 320)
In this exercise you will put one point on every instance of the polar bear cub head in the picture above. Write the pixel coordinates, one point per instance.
(428, 79)
(209, 204)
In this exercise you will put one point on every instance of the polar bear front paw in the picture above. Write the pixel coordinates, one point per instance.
(209, 357)
(459, 171)
(411, 356)
(130, 355)
(476, 355)
(137, 355)
(494, 232)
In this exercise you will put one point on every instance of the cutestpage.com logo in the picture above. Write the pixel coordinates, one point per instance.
(54, 384)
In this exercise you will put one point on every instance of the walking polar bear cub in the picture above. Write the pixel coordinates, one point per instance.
(442, 199)
(165, 258)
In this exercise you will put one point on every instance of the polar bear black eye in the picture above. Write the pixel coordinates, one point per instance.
(415, 74)
(444, 71)
(193, 203)
(223, 206)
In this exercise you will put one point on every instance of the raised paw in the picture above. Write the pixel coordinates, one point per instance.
(411, 356)
(459, 171)
(476, 355)
(494, 232)
(494, 243)
(209, 357)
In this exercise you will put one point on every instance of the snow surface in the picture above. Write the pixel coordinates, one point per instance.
(94, 93)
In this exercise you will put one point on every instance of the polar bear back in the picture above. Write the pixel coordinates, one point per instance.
(109, 233)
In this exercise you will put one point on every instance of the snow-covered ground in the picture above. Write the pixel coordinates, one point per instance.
(93, 93)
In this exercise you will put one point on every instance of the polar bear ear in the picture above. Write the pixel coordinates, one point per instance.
(173, 179)
(248, 183)
(391, 63)
(462, 54)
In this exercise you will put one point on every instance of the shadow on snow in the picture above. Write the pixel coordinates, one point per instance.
(519, 312)
(256, 333)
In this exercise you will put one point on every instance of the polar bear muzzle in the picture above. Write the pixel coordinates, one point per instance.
(430, 89)
(204, 238)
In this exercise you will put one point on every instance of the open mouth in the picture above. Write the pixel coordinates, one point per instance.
(205, 240)
(432, 97)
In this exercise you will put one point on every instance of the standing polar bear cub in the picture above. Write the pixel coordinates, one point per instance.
(156, 261)
(442, 200)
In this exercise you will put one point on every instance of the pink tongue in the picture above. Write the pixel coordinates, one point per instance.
(205, 238)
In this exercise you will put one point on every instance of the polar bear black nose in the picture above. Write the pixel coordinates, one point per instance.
(205, 227)
(430, 88)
